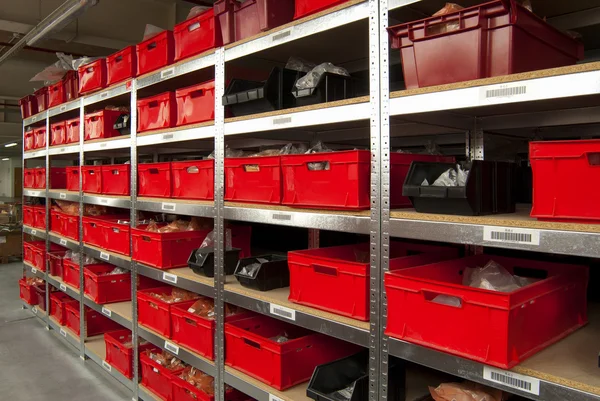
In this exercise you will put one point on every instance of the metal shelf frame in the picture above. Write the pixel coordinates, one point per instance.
(376, 110)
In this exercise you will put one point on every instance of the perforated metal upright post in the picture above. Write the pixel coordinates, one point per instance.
(82, 331)
(219, 227)
(313, 238)
(476, 143)
(23, 201)
(376, 200)
(47, 221)
(133, 162)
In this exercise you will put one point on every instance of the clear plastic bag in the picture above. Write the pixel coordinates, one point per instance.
(196, 11)
(448, 300)
(453, 177)
(344, 394)
(445, 27)
(56, 71)
(494, 277)
(299, 64)
(209, 242)
(312, 78)
(150, 31)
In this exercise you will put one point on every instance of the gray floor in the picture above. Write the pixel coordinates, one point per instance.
(35, 365)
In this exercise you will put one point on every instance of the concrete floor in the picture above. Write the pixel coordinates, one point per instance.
(35, 365)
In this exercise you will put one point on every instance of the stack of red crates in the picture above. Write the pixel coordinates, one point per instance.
(119, 351)
(154, 313)
(27, 292)
(180, 180)
(58, 302)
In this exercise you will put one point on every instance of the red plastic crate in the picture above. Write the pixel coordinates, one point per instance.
(336, 279)
(193, 179)
(58, 133)
(28, 247)
(27, 292)
(307, 7)
(28, 215)
(70, 226)
(41, 96)
(184, 391)
(92, 76)
(196, 35)
(121, 66)
(40, 292)
(72, 178)
(253, 16)
(72, 130)
(496, 38)
(56, 221)
(196, 104)
(253, 179)
(39, 258)
(115, 179)
(192, 331)
(251, 350)
(154, 180)
(156, 52)
(71, 85)
(118, 355)
(156, 377)
(100, 124)
(39, 217)
(56, 94)
(28, 106)
(157, 112)
(39, 137)
(55, 263)
(165, 250)
(93, 233)
(71, 273)
(29, 140)
(58, 178)
(562, 171)
(95, 322)
(58, 302)
(29, 178)
(154, 313)
(116, 236)
(92, 179)
(106, 288)
(524, 321)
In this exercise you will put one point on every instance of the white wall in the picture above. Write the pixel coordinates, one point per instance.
(7, 176)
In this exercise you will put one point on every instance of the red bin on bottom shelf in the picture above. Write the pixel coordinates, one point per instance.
(156, 377)
(58, 302)
(40, 292)
(103, 287)
(430, 306)
(119, 351)
(27, 292)
(252, 350)
(95, 322)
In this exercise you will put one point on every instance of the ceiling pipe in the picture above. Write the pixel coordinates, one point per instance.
(57, 20)
(38, 49)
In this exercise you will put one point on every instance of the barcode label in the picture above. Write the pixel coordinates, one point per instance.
(63, 332)
(62, 195)
(33, 119)
(103, 95)
(33, 232)
(106, 312)
(513, 380)
(282, 311)
(166, 137)
(63, 242)
(282, 35)
(34, 270)
(34, 310)
(282, 120)
(167, 73)
(63, 108)
(106, 366)
(171, 348)
(274, 398)
(35, 193)
(104, 256)
(506, 91)
(280, 216)
(171, 278)
(511, 235)
(103, 201)
(63, 287)
(169, 207)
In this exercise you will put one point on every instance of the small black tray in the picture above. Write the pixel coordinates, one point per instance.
(490, 189)
(205, 264)
(270, 275)
(331, 87)
(334, 376)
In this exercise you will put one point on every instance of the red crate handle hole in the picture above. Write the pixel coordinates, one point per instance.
(251, 343)
(326, 270)
(431, 295)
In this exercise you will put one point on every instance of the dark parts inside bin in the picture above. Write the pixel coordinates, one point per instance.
(202, 261)
(263, 273)
(347, 379)
(490, 189)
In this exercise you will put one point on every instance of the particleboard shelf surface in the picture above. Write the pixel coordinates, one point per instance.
(280, 208)
(280, 296)
(64, 191)
(573, 361)
(116, 255)
(120, 308)
(296, 393)
(520, 219)
(189, 274)
(60, 281)
(97, 346)
(171, 200)
(552, 72)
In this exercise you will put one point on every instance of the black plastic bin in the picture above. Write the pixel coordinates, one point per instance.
(490, 189)
(329, 378)
(203, 263)
(251, 97)
(331, 87)
(272, 274)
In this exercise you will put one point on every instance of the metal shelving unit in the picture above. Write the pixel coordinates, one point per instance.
(539, 102)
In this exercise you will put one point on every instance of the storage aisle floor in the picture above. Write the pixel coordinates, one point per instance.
(36, 366)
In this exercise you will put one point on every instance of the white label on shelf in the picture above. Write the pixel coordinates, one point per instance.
(63, 332)
(34, 310)
(167, 137)
(62, 150)
(106, 312)
(104, 256)
(103, 145)
(63, 108)
(282, 311)
(514, 380)
(169, 207)
(62, 195)
(511, 235)
(274, 398)
(33, 119)
(106, 366)
(35, 193)
(34, 270)
(104, 201)
(171, 348)
(282, 35)
(104, 95)
(63, 242)
(282, 120)
(171, 278)
(33, 232)
(503, 92)
(282, 216)
(63, 287)
(167, 73)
